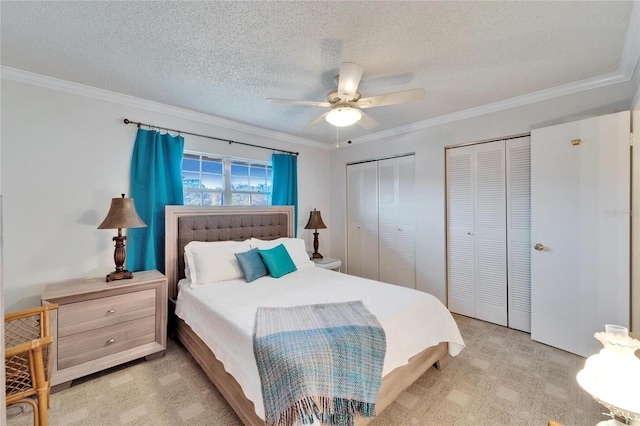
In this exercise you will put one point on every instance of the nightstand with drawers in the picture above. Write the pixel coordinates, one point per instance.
(103, 324)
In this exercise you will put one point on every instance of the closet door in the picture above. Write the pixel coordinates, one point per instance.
(476, 221)
(519, 232)
(396, 221)
(490, 232)
(406, 221)
(387, 205)
(362, 227)
(354, 230)
(460, 235)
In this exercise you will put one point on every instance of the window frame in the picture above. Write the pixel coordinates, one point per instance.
(227, 192)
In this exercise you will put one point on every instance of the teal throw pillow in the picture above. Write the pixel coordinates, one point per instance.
(251, 264)
(278, 261)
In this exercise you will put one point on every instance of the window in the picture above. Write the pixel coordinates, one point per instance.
(223, 181)
(202, 180)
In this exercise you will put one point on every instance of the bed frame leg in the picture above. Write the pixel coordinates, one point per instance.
(171, 320)
(442, 363)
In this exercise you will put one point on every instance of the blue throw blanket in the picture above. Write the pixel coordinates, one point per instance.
(323, 361)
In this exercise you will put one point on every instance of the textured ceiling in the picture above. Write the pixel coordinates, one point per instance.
(226, 58)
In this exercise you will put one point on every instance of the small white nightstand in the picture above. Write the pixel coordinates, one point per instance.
(328, 263)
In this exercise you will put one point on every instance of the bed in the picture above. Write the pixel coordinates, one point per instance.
(200, 330)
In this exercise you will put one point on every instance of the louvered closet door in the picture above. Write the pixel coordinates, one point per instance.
(406, 221)
(490, 233)
(396, 221)
(369, 214)
(354, 227)
(460, 234)
(518, 155)
(387, 205)
(362, 229)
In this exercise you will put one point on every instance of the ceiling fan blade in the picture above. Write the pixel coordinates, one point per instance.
(317, 120)
(292, 101)
(391, 98)
(367, 122)
(348, 80)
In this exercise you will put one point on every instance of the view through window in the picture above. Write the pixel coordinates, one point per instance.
(209, 180)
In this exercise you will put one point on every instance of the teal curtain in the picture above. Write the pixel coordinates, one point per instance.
(285, 183)
(156, 181)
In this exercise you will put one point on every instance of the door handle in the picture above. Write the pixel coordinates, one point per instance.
(538, 247)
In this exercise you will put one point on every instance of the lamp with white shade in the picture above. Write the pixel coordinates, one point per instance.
(612, 376)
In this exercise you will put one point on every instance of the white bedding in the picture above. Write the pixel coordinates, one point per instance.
(222, 314)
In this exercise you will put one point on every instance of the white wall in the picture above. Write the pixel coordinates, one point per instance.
(428, 145)
(64, 156)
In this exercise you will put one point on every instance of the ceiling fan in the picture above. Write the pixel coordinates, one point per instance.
(346, 102)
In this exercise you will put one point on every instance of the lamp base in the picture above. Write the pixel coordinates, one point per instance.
(119, 275)
(316, 255)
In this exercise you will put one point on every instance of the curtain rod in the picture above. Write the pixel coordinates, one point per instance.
(127, 121)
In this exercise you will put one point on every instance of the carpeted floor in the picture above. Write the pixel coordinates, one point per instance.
(502, 377)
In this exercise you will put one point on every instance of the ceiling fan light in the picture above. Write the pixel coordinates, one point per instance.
(344, 116)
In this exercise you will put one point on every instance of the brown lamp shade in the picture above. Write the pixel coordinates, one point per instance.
(315, 221)
(122, 214)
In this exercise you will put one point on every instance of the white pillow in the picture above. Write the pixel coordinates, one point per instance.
(209, 262)
(188, 258)
(295, 247)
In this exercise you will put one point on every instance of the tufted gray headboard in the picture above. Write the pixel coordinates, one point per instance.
(184, 224)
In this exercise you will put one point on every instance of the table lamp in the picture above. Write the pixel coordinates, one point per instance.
(612, 376)
(122, 214)
(315, 222)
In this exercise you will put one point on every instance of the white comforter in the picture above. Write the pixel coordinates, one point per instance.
(222, 314)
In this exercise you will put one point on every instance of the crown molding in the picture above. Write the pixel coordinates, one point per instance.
(629, 60)
(632, 46)
(631, 50)
(53, 83)
(530, 98)
(34, 79)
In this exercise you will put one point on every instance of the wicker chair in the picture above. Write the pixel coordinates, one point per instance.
(27, 361)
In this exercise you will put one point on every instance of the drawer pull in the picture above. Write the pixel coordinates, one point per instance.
(110, 341)
(111, 311)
